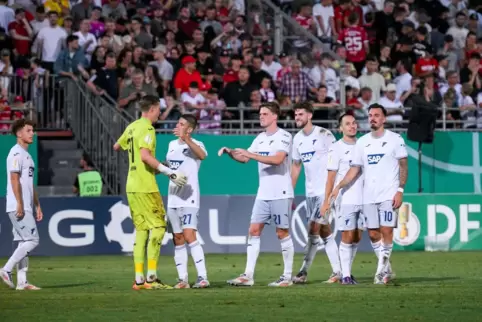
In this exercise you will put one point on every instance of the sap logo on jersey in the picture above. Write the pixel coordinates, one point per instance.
(175, 164)
(265, 154)
(307, 156)
(374, 158)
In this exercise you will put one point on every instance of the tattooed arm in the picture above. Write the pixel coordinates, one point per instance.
(403, 164)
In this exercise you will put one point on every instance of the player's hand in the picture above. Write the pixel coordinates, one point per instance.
(325, 209)
(40, 215)
(20, 212)
(178, 178)
(334, 193)
(223, 150)
(242, 152)
(180, 133)
(397, 200)
(293, 206)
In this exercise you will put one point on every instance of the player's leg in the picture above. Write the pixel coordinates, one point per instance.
(140, 243)
(25, 231)
(388, 221)
(313, 241)
(259, 217)
(29, 233)
(174, 226)
(189, 223)
(372, 220)
(361, 226)
(281, 214)
(156, 220)
(349, 229)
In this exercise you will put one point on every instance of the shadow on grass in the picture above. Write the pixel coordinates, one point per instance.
(67, 285)
(397, 280)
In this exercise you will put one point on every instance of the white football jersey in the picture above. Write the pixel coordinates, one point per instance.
(339, 160)
(180, 157)
(274, 181)
(19, 160)
(379, 159)
(312, 150)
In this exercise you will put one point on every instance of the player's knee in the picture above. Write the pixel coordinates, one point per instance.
(189, 235)
(282, 233)
(357, 236)
(255, 230)
(157, 234)
(325, 231)
(314, 228)
(387, 233)
(347, 236)
(375, 235)
(178, 239)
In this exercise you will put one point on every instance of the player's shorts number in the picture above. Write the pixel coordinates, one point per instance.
(186, 219)
(130, 142)
(388, 216)
(277, 219)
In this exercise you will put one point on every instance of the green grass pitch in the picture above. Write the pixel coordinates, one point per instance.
(429, 287)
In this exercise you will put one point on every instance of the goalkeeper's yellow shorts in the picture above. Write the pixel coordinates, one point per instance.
(147, 210)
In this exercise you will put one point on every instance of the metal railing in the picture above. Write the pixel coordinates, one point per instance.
(60, 103)
(247, 121)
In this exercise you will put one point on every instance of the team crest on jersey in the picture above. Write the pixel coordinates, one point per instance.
(307, 156)
(374, 158)
(265, 154)
(175, 164)
(185, 151)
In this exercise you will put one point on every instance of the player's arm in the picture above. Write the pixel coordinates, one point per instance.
(295, 172)
(276, 159)
(17, 188)
(349, 177)
(332, 168)
(151, 161)
(198, 151)
(403, 164)
(233, 154)
(330, 183)
(121, 142)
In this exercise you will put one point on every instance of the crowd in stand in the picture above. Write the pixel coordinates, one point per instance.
(202, 57)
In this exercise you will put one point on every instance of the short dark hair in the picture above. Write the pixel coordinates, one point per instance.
(342, 116)
(71, 38)
(272, 106)
(51, 12)
(376, 105)
(191, 119)
(307, 106)
(20, 124)
(147, 101)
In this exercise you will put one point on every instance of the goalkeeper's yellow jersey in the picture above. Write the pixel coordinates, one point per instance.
(139, 134)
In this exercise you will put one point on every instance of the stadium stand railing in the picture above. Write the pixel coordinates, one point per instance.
(60, 104)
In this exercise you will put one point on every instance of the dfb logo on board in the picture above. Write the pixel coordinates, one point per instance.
(374, 158)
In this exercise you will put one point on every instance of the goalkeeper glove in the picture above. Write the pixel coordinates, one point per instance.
(178, 178)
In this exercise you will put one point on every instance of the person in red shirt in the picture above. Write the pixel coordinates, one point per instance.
(185, 23)
(355, 39)
(426, 65)
(342, 13)
(186, 76)
(21, 33)
(231, 75)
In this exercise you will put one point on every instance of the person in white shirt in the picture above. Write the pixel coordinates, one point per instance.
(272, 150)
(185, 154)
(373, 79)
(86, 39)
(323, 74)
(324, 15)
(348, 206)
(22, 201)
(7, 15)
(193, 100)
(383, 156)
(393, 106)
(310, 149)
(458, 31)
(51, 40)
(404, 80)
(269, 65)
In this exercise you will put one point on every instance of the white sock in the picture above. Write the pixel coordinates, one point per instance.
(310, 252)
(288, 252)
(197, 254)
(354, 248)
(383, 260)
(252, 252)
(20, 252)
(345, 259)
(22, 268)
(376, 247)
(180, 258)
(331, 250)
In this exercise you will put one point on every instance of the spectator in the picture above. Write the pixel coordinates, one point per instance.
(21, 33)
(105, 80)
(373, 79)
(193, 101)
(355, 39)
(165, 69)
(468, 109)
(257, 74)
(132, 93)
(186, 76)
(7, 15)
(393, 106)
(296, 84)
(458, 31)
(269, 65)
(71, 61)
(87, 40)
(51, 40)
(239, 91)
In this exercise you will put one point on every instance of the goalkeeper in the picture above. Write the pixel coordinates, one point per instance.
(147, 209)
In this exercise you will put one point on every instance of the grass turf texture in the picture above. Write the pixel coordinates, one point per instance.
(429, 287)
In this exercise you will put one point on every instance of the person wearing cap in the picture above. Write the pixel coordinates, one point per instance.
(186, 75)
(141, 37)
(61, 7)
(21, 33)
(393, 105)
(285, 62)
(458, 31)
(166, 70)
(269, 64)
(204, 62)
(474, 25)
